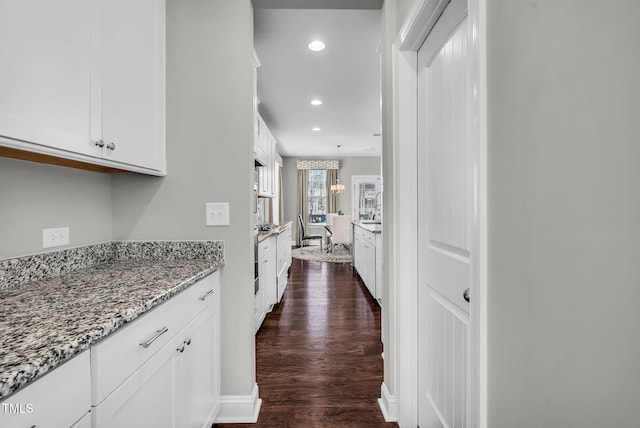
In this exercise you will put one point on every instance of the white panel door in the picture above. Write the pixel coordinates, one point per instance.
(447, 221)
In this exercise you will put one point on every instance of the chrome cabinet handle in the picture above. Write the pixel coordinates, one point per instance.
(180, 349)
(207, 294)
(99, 143)
(187, 342)
(159, 333)
(111, 146)
(466, 295)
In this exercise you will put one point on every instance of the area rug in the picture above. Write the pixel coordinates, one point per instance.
(313, 253)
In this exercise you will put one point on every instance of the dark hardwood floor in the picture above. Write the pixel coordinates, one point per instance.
(318, 353)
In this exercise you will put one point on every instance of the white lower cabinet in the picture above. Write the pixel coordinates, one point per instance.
(367, 259)
(161, 370)
(146, 398)
(260, 311)
(178, 384)
(284, 259)
(58, 399)
(274, 259)
(198, 371)
(267, 272)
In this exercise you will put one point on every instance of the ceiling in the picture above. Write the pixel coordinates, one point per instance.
(345, 76)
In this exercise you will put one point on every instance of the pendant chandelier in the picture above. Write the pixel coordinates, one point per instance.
(337, 188)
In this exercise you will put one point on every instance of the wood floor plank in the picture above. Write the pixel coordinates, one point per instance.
(318, 353)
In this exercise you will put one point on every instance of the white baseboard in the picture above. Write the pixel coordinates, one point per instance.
(239, 408)
(388, 404)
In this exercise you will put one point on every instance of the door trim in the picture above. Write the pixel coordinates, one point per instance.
(414, 31)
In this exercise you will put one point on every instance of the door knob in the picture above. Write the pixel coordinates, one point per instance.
(466, 295)
(111, 146)
(99, 143)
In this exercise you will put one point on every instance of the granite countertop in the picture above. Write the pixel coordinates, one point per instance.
(273, 232)
(45, 322)
(371, 227)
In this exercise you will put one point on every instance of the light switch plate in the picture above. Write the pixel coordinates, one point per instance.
(55, 237)
(217, 213)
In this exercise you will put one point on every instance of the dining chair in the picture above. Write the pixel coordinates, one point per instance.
(304, 237)
(329, 228)
(341, 231)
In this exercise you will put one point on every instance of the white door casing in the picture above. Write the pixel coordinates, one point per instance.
(417, 26)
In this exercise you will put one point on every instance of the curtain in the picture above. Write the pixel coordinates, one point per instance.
(332, 200)
(303, 183)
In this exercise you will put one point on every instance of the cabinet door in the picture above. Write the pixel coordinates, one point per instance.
(370, 267)
(132, 93)
(198, 394)
(259, 308)
(84, 422)
(45, 74)
(357, 256)
(267, 272)
(58, 399)
(147, 398)
(364, 261)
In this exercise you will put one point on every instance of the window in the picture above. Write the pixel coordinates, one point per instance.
(317, 195)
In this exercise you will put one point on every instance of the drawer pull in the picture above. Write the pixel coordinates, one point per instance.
(207, 294)
(180, 349)
(159, 333)
(187, 342)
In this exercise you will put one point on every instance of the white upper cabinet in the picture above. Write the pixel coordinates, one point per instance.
(45, 77)
(265, 149)
(85, 80)
(132, 92)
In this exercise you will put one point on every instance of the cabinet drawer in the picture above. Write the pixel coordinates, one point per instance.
(58, 399)
(365, 235)
(265, 246)
(114, 359)
(371, 239)
(359, 232)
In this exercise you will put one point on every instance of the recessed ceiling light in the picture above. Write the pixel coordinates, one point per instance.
(316, 102)
(316, 45)
(315, 129)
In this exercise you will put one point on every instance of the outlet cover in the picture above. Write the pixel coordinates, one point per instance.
(217, 213)
(55, 237)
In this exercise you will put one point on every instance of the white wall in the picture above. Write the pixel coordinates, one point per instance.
(34, 196)
(209, 159)
(564, 210)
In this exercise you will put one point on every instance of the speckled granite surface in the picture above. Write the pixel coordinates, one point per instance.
(274, 232)
(45, 322)
(371, 227)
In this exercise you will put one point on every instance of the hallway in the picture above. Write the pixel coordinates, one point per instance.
(319, 352)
